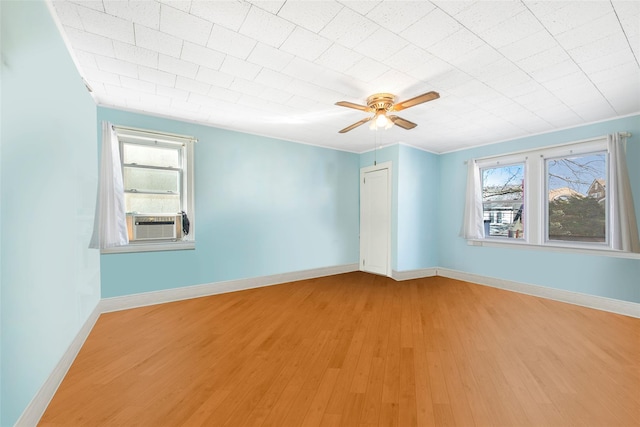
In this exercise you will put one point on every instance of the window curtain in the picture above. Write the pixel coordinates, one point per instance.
(624, 234)
(473, 225)
(110, 223)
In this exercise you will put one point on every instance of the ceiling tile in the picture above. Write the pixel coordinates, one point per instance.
(397, 19)
(367, 70)
(362, 7)
(144, 12)
(158, 41)
(338, 58)
(271, 6)
(135, 54)
(68, 14)
(408, 58)
(106, 25)
(348, 28)
(305, 44)
(273, 79)
(92, 4)
(183, 5)
(238, 67)
(184, 25)
(229, 14)
(171, 92)
(555, 71)
(302, 69)
(481, 16)
(599, 48)
(381, 45)
(312, 15)
(156, 76)
(457, 45)
(190, 85)
(529, 46)
(266, 27)
(90, 42)
(517, 28)
(269, 57)
(246, 87)
(230, 42)
(137, 85)
(86, 59)
(430, 70)
(584, 34)
(573, 14)
(185, 106)
(117, 66)
(544, 59)
(202, 56)
(606, 62)
(214, 77)
(102, 76)
(431, 29)
(221, 94)
(397, 83)
(176, 66)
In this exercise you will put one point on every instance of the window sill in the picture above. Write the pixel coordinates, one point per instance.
(151, 247)
(550, 248)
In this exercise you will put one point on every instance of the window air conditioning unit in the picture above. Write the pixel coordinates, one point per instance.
(154, 227)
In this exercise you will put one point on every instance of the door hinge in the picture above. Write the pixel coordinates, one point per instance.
(363, 262)
(364, 180)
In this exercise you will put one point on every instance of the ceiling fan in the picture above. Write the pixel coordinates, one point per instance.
(382, 103)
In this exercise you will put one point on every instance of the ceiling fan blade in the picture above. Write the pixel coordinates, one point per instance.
(429, 96)
(403, 123)
(352, 105)
(355, 125)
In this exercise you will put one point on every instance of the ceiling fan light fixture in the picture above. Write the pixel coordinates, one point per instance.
(382, 120)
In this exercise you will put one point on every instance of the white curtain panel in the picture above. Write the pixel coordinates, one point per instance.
(624, 234)
(473, 225)
(110, 223)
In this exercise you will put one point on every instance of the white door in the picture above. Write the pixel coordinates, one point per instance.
(375, 219)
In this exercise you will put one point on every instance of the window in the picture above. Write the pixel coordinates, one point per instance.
(503, 200)
(563, 196)
(577, 203)
(157, 172)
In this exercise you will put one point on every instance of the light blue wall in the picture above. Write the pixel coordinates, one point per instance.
(263, 206)
(418, 178)
(596, 275)
(49, 278)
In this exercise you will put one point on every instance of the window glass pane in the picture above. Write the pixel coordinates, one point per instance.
(150, 155)
(150, 179)
(152, 203)
(503, 201)
(577, 198)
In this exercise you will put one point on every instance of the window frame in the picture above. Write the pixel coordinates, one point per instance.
(127, 135)
(536, 198)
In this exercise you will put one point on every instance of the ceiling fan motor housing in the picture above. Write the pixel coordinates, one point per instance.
(381, 102)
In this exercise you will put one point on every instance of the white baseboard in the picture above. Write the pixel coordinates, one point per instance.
(626, 308)
(188, 292)
(413, 274)
(34, 411)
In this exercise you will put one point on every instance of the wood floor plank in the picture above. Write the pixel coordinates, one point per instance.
(356, 350)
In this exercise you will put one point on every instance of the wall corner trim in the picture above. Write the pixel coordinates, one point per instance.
(35, 409)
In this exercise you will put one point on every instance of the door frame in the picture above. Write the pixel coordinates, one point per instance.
(380, 166)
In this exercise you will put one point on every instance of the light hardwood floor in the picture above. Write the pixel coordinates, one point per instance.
(356, 350)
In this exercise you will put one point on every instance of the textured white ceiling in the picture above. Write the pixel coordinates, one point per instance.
(504, 69)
